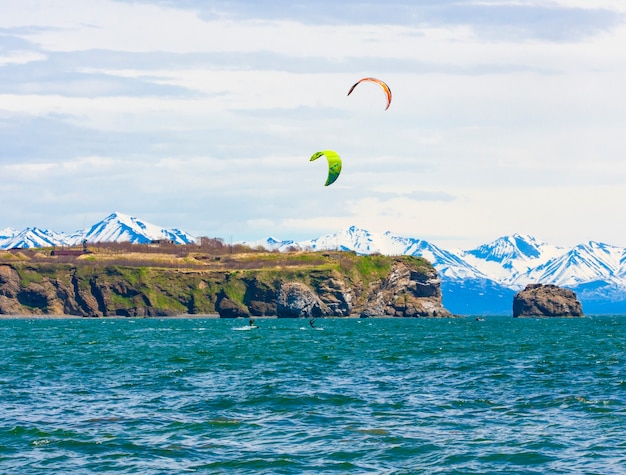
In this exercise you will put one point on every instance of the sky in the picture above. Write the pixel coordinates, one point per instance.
(508, 116)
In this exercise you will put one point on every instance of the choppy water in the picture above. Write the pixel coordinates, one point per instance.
(383, 396)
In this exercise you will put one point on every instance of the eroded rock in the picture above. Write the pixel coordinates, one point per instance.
(406, 292)
(296, 300)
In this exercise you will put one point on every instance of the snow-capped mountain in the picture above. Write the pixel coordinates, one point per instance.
(350, 239)
(32, 237)
(509, 257)
(117, 227)
(358, 240)
(8, 233)
(588, 262)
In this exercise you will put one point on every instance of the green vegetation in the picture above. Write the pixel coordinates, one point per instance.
(234, 288)
(29, 275)
(373, 267)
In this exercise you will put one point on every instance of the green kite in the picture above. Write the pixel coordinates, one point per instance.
(334, 164)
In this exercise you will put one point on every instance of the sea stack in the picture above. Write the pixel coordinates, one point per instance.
(546, 300)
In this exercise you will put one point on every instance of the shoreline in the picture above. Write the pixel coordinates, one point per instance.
(181, 316)
(79, 317)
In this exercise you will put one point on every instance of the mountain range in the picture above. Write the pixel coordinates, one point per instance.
(117, 227)
(480, 281)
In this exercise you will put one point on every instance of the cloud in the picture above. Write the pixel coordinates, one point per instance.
(554, 21)
(34, 74)
(203, 115)
(40, 139)
(510, 21)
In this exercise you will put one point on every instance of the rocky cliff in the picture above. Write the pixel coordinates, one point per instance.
(261, 284)
(538, 300)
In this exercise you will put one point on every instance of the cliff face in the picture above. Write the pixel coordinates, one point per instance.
(332, 285)
(538, 300)
(406, 292)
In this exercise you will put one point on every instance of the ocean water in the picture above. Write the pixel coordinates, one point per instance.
(379, 396)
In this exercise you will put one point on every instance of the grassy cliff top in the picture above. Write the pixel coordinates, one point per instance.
(192, 258)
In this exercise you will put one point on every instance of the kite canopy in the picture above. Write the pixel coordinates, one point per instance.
(334, 164)
(382, 84)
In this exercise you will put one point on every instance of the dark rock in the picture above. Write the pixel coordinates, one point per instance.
(260, 298)
(228, 308)
(335, 295)
(296, 300)
(9, 288)
(539, 300)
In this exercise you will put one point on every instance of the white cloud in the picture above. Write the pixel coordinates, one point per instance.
(29, 168)
(20, 57)
(212, 119)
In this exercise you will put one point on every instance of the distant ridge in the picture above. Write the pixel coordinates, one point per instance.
(117, 227)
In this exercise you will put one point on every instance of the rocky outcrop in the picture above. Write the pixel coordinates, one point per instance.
(296, 299)
(260, 297)
(406, 292)
(228, 308)
(17, 297)
(539, 300)
(318, 285)
(338, 297)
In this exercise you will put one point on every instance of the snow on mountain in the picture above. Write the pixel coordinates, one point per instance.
(350, 239)
(584, 263)
(33, 237)
(506, 258)
(272, 244)
(506, 249)
(502, 260)
(178, 236)
(622, 266)
(507, 261)
(117, 227)
(7, 233)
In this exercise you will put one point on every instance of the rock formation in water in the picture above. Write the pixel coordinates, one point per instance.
(308, 285)
(539, 300)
